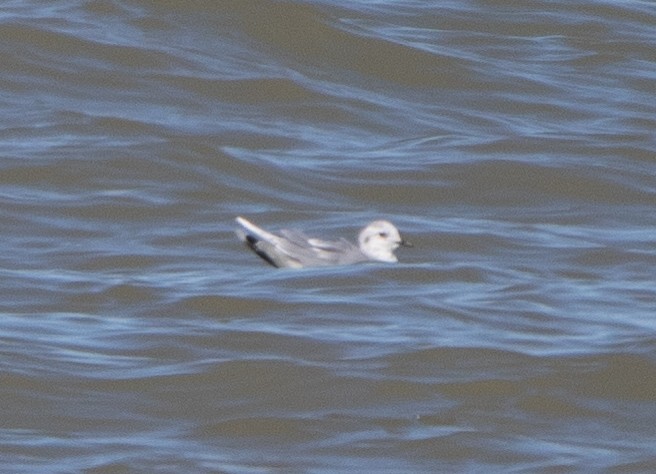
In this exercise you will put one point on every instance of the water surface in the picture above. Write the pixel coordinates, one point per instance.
(513, 145)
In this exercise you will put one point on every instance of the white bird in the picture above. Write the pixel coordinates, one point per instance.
(293, 249)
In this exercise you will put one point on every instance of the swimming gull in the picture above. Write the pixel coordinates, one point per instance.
(293, 249)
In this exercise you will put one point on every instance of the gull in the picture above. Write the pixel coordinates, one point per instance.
(293, 249)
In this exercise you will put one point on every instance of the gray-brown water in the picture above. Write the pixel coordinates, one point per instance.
(512, 142)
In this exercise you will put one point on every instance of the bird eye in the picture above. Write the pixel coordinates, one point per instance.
(383, 235)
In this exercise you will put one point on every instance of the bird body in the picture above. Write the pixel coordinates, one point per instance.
(294, 249)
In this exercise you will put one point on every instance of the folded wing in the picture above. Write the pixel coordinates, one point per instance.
(293, 248)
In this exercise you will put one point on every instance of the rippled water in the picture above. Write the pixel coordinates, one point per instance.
(513, 144)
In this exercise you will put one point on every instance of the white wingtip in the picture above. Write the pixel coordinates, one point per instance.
(255, 230)
(241, 221)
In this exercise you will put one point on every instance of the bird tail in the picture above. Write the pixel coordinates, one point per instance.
(255, 231)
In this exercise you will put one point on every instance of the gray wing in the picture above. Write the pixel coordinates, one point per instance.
(311, 252)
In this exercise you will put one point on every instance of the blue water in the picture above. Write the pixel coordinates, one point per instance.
(512, 144)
